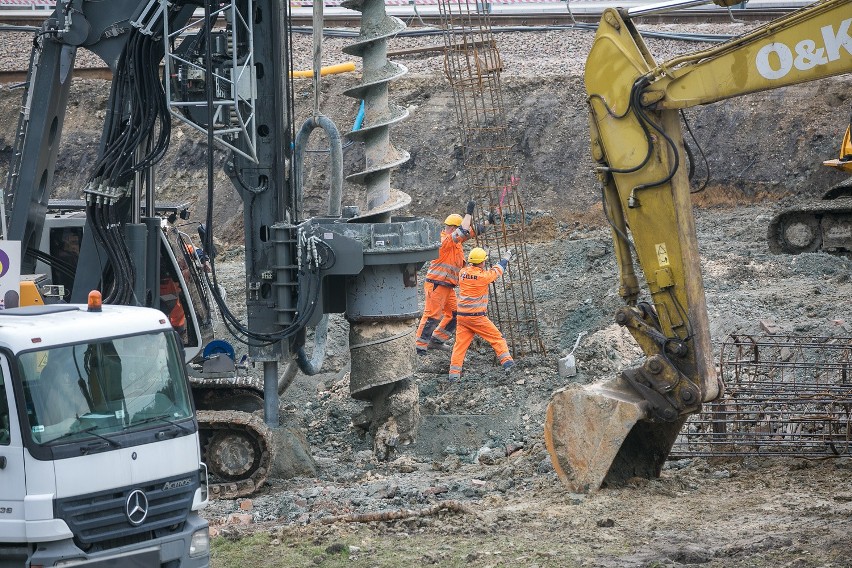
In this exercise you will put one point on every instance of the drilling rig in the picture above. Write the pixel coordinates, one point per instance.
(223, 68)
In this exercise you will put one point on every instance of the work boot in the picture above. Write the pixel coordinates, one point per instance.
(439, 345)
(421, 352)
(507, 366)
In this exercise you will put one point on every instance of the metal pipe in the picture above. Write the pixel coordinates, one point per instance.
(270, 393)
(661, 7)
(328, 70)
(150, 200)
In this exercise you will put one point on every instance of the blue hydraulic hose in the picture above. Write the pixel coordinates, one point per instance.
(359, 119)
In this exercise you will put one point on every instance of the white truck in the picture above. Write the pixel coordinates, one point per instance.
(99, 451)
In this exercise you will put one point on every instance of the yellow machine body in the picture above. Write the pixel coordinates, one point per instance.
(625, 427)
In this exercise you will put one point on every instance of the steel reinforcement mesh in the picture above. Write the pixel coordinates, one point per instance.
(473, 66)
(784, 396)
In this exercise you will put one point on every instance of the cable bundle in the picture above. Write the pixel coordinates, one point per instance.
(139, 113)
(136, 137)
(314, 254)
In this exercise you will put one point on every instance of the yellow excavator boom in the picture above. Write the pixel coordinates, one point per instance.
(625, 427)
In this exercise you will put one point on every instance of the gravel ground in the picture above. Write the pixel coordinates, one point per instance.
(480, 453)
(492, 463)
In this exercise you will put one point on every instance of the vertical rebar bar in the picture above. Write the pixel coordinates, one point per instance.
(473, 66)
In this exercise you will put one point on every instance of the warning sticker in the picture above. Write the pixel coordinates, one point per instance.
(662, 254)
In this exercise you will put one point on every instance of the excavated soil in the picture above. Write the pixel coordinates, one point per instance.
(479, 452)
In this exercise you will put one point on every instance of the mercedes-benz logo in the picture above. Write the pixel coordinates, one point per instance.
(136, 507)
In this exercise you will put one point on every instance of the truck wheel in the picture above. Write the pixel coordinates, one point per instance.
(232, 455)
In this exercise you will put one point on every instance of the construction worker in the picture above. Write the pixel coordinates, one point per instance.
(472, 309)
(439, 313)
(170, 303)
(66, 250)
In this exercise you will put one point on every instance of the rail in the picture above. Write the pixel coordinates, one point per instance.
(502, 13)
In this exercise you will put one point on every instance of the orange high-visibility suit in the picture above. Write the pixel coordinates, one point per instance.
(472, 318)
(170, 304)
(439, 313)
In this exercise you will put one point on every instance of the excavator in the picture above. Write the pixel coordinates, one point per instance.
(608, 432)
(223, 69)
(824, 225)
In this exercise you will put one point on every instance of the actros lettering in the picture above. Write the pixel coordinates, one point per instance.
(776, 60)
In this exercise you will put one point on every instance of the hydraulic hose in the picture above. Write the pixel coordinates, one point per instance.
(311, 366)
(359, 118)
(336, 146)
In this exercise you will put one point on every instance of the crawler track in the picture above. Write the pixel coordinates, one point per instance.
(237, 447)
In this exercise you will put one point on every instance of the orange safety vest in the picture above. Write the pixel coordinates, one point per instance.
(444, 270)
(170, 292)
(177, 317)
(473, 289)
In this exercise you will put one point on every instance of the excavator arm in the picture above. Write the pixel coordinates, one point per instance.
(623, 428)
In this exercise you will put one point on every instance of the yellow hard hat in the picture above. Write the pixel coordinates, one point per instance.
(477, 256)
(455, 220)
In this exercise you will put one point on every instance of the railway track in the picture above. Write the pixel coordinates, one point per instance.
(541, 16)
(515, 16)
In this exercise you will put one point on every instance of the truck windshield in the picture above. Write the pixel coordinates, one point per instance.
(104, 387)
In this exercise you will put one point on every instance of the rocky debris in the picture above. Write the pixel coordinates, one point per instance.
(488, 452)
(484, 445)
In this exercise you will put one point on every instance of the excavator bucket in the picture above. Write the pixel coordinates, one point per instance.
(601, 434)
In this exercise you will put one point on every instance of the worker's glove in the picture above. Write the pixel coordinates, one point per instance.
(491, 219)
(470, 206)
(507, 255)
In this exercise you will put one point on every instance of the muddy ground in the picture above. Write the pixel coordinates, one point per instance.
(479, 453)
(480, 444)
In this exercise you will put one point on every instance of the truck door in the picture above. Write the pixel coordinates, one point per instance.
(12, 485)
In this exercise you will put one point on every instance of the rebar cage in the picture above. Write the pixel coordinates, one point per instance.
(473, 66)
(784, 395)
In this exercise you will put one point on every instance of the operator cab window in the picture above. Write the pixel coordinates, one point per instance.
(65, 250)
(174, 300)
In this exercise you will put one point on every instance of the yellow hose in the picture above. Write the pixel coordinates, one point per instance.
(331, 69)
